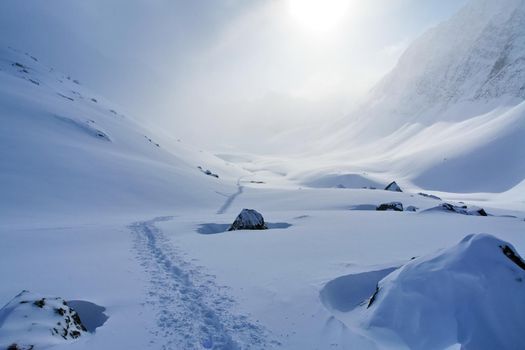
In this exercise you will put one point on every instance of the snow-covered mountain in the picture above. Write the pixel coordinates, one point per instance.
(130, 227)
(450, 116)
(66, 150)
(464, 67)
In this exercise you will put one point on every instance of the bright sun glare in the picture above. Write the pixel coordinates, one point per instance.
(318, 16)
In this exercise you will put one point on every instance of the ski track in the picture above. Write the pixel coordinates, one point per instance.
(193, 312)
(231, 198)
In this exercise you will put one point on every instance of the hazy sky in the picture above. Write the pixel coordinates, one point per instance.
(211, 69)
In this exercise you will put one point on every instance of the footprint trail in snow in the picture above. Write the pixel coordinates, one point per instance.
(193, 312)
(229, 201)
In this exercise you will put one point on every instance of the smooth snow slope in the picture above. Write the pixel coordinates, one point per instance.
(66, 150)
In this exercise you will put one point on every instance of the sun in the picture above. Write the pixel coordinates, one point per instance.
(318, 16)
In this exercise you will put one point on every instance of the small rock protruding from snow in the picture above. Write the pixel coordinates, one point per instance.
(469, 295)
(208, 172)
(33, 321)
(395, 206)
(394, 187)
(248, 219)
(412, 208)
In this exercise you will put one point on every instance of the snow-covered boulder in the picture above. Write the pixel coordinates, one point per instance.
(463, 209)
(470, 296)
(394, 187)
(248, 219)
(32, 321)
(395, 206)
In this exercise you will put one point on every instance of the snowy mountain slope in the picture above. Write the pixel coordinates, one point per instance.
(66, 150)
(95, 207)
(464, 67)
(449, 117)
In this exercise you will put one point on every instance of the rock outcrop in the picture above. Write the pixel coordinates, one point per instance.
(463, 209)
(248, 219)
(395, 206)
(394, 187)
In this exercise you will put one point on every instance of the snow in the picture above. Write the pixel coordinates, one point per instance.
(278, 275)
(442, 118)
(124, 222)
(470, 294)
(31, 320)
(91, 314)
(66, 150)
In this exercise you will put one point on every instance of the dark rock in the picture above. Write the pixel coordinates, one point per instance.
(395, 206)
(40, 302)
(64, 96)
(515, 258)
(394, 187)
(248, 219)
(412, 208)
(15, 346)
(373, 297)
(208, 172)
(482, 212)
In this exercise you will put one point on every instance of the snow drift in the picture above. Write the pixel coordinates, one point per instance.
(472, 294)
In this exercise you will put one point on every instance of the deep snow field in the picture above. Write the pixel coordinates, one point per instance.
(128, 227)
(175, 282)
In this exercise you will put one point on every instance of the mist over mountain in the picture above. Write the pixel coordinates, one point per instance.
(449, 116)
(466, 66)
